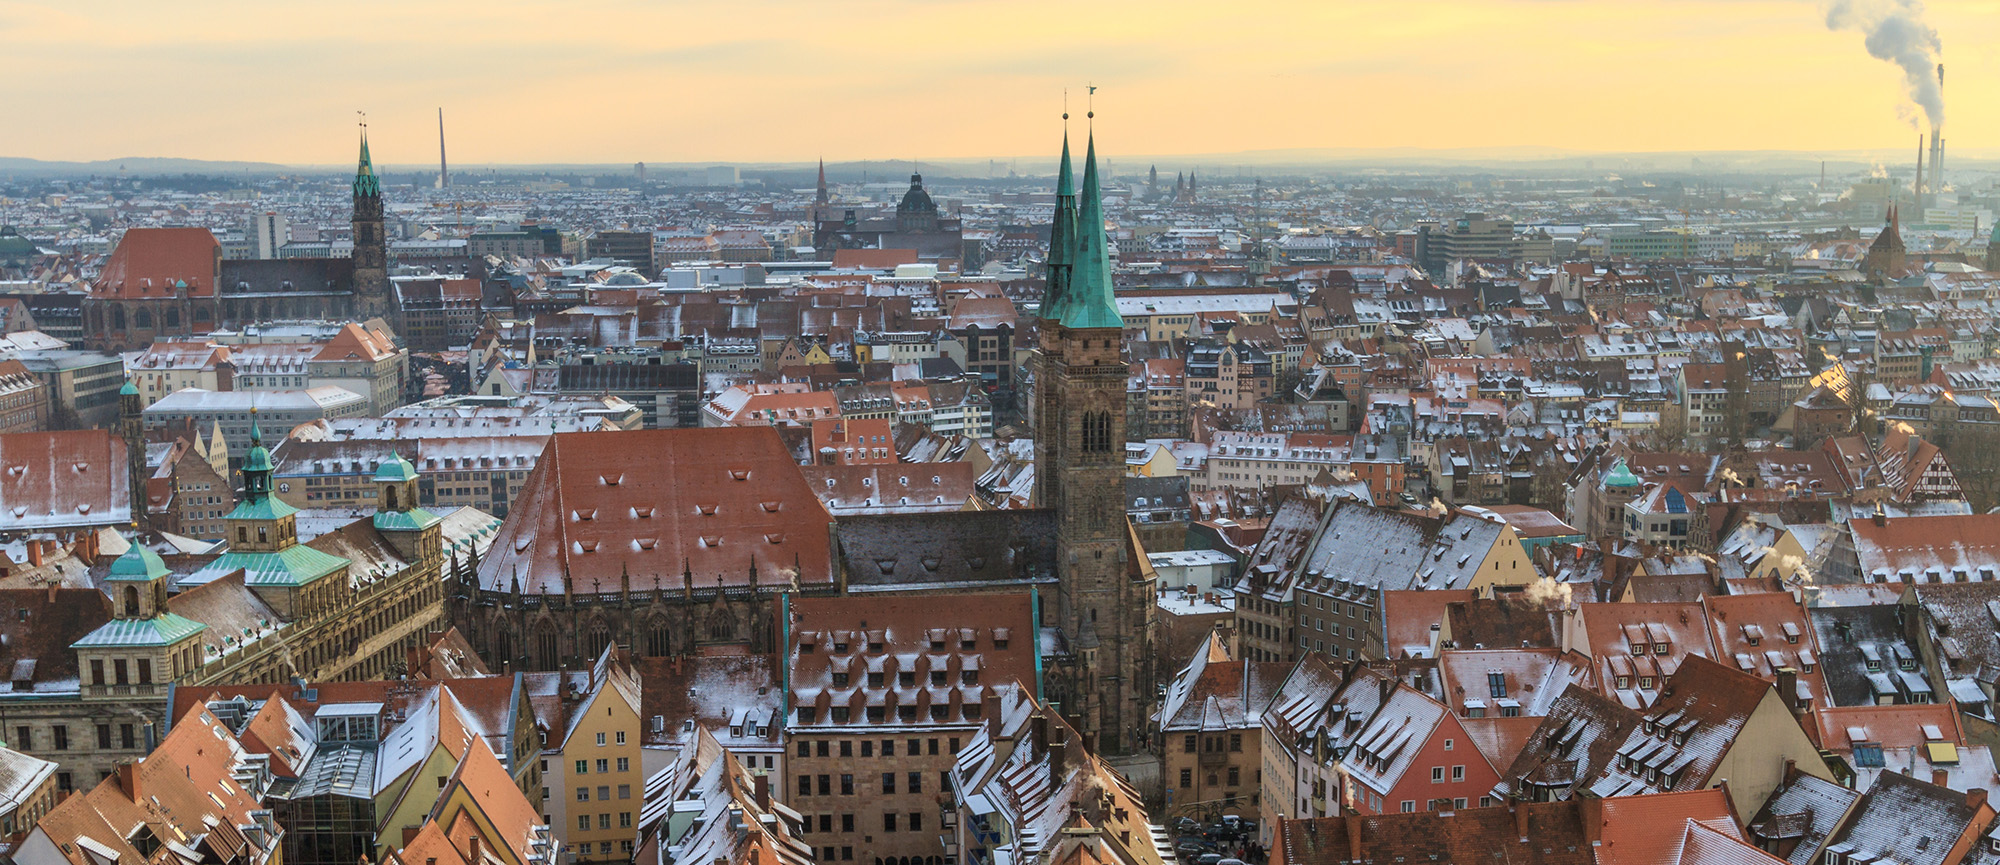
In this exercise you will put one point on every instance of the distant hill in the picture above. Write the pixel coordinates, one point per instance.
(137, 166)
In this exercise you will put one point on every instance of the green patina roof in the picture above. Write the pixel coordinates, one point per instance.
(266, 507)
(129, 389)
(365, 181)
(396, 470)
(1091, 303)
(405, 521)
(1062, 241)
(164, 629)
(137, 565)
(294, 566)
(1620, 476)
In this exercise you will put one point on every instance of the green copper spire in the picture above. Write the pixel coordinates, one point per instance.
(365, 182)
(1090, 302)
(1062, 240)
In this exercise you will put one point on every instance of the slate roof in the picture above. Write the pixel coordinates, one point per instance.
(1907, 821)
(1804, 809)
(891, 552)
(1850, 637)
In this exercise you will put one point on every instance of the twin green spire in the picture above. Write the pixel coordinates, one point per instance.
(1079, 291)
(366, 184)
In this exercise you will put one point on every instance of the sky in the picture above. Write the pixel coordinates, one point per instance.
(619, 81)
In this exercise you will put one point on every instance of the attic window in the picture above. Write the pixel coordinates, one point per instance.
(586, 514)
(774, 507)
(711, 540)
(611, 480)
(739, 474)
(648, 543)
(775, 538)
(644, 513)
(586, 546)
(707, 510)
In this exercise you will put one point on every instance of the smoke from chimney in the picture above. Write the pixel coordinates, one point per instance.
(1895, 31)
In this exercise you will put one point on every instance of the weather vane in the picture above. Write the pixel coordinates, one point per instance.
(361, 117)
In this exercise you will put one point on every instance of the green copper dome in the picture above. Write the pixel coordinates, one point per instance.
(395, 470)
(1620, 477)
(137, 565)
(258, 459)
(129, 389)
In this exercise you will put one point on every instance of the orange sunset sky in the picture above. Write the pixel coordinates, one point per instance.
(615, 81)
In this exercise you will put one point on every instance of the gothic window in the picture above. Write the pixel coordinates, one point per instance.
(659, 640)
(502, 653)
(173, 318)
(721, 625)
(118, 318)
(1096, 432)
(545, 645)
(144, 318)
(600, 637)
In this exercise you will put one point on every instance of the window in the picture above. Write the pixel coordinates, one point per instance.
(583, 822)
(624, 819)
(624, 791)
(916, 821)
(1458, 774)
(847, 785)
(583, 794)
(888, 782)
(603, 766)
(621, 737)
(805, 785)
(583, 767)
(604, 822)
(604, 793)
(1236, 741)
(600, 740)
(61, 735)
(24, 738)
(1187, 778)
(1437, 774)
(1409, 806)
(624, 764)
(1235, 776)
(916, 783)
(1187, 745)
(888, 822)
(1496, 684)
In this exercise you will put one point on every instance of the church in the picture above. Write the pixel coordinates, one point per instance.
(172, 282)
(681, 542)
(917, 225)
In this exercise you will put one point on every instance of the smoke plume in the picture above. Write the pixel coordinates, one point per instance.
(1548, 589)
(1894, 30)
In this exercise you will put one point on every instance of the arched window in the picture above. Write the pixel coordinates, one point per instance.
(132, 601)
(389, 496)
(118, 318)
(144, 319)
(659, 640)
(503, 653)
(721, 625)
(545, 645)
(173, 317)
(600, 637)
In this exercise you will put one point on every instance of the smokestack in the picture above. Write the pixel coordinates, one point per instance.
(444, 173)
(762, 786)
(1353, 836)
(1920, 177)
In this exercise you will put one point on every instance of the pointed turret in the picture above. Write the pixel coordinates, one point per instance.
(1062, 240)
(1090, 300)
(820, 194)
(365, 181)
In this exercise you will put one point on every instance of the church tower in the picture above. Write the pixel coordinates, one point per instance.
(131, 427)
(1104, 598)
(371, 245)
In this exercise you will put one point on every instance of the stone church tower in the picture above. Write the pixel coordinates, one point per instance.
(371, 245)
(1105, 604)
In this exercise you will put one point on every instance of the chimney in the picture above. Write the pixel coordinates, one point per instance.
(762, 785)
(1920, 177)
(1788, 689)
(472, 845)
(1942, 778)
(1038, 728)
(1058, 754)
(1590, 809)
(1975, 798)
(1353, 836)
(35, 552)
(1881, 516)
(128, 778)
(1520, 820)
(989, 707)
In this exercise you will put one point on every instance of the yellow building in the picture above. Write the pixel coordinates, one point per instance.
(596, 778)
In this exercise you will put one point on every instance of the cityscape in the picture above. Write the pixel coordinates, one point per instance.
(1113, 480)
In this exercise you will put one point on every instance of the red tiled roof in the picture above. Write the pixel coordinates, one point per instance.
(150, 261)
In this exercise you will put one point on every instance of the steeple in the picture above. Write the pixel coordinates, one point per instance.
(820, 195)
(365, 182)
(1062, 240)
(1091, 302)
